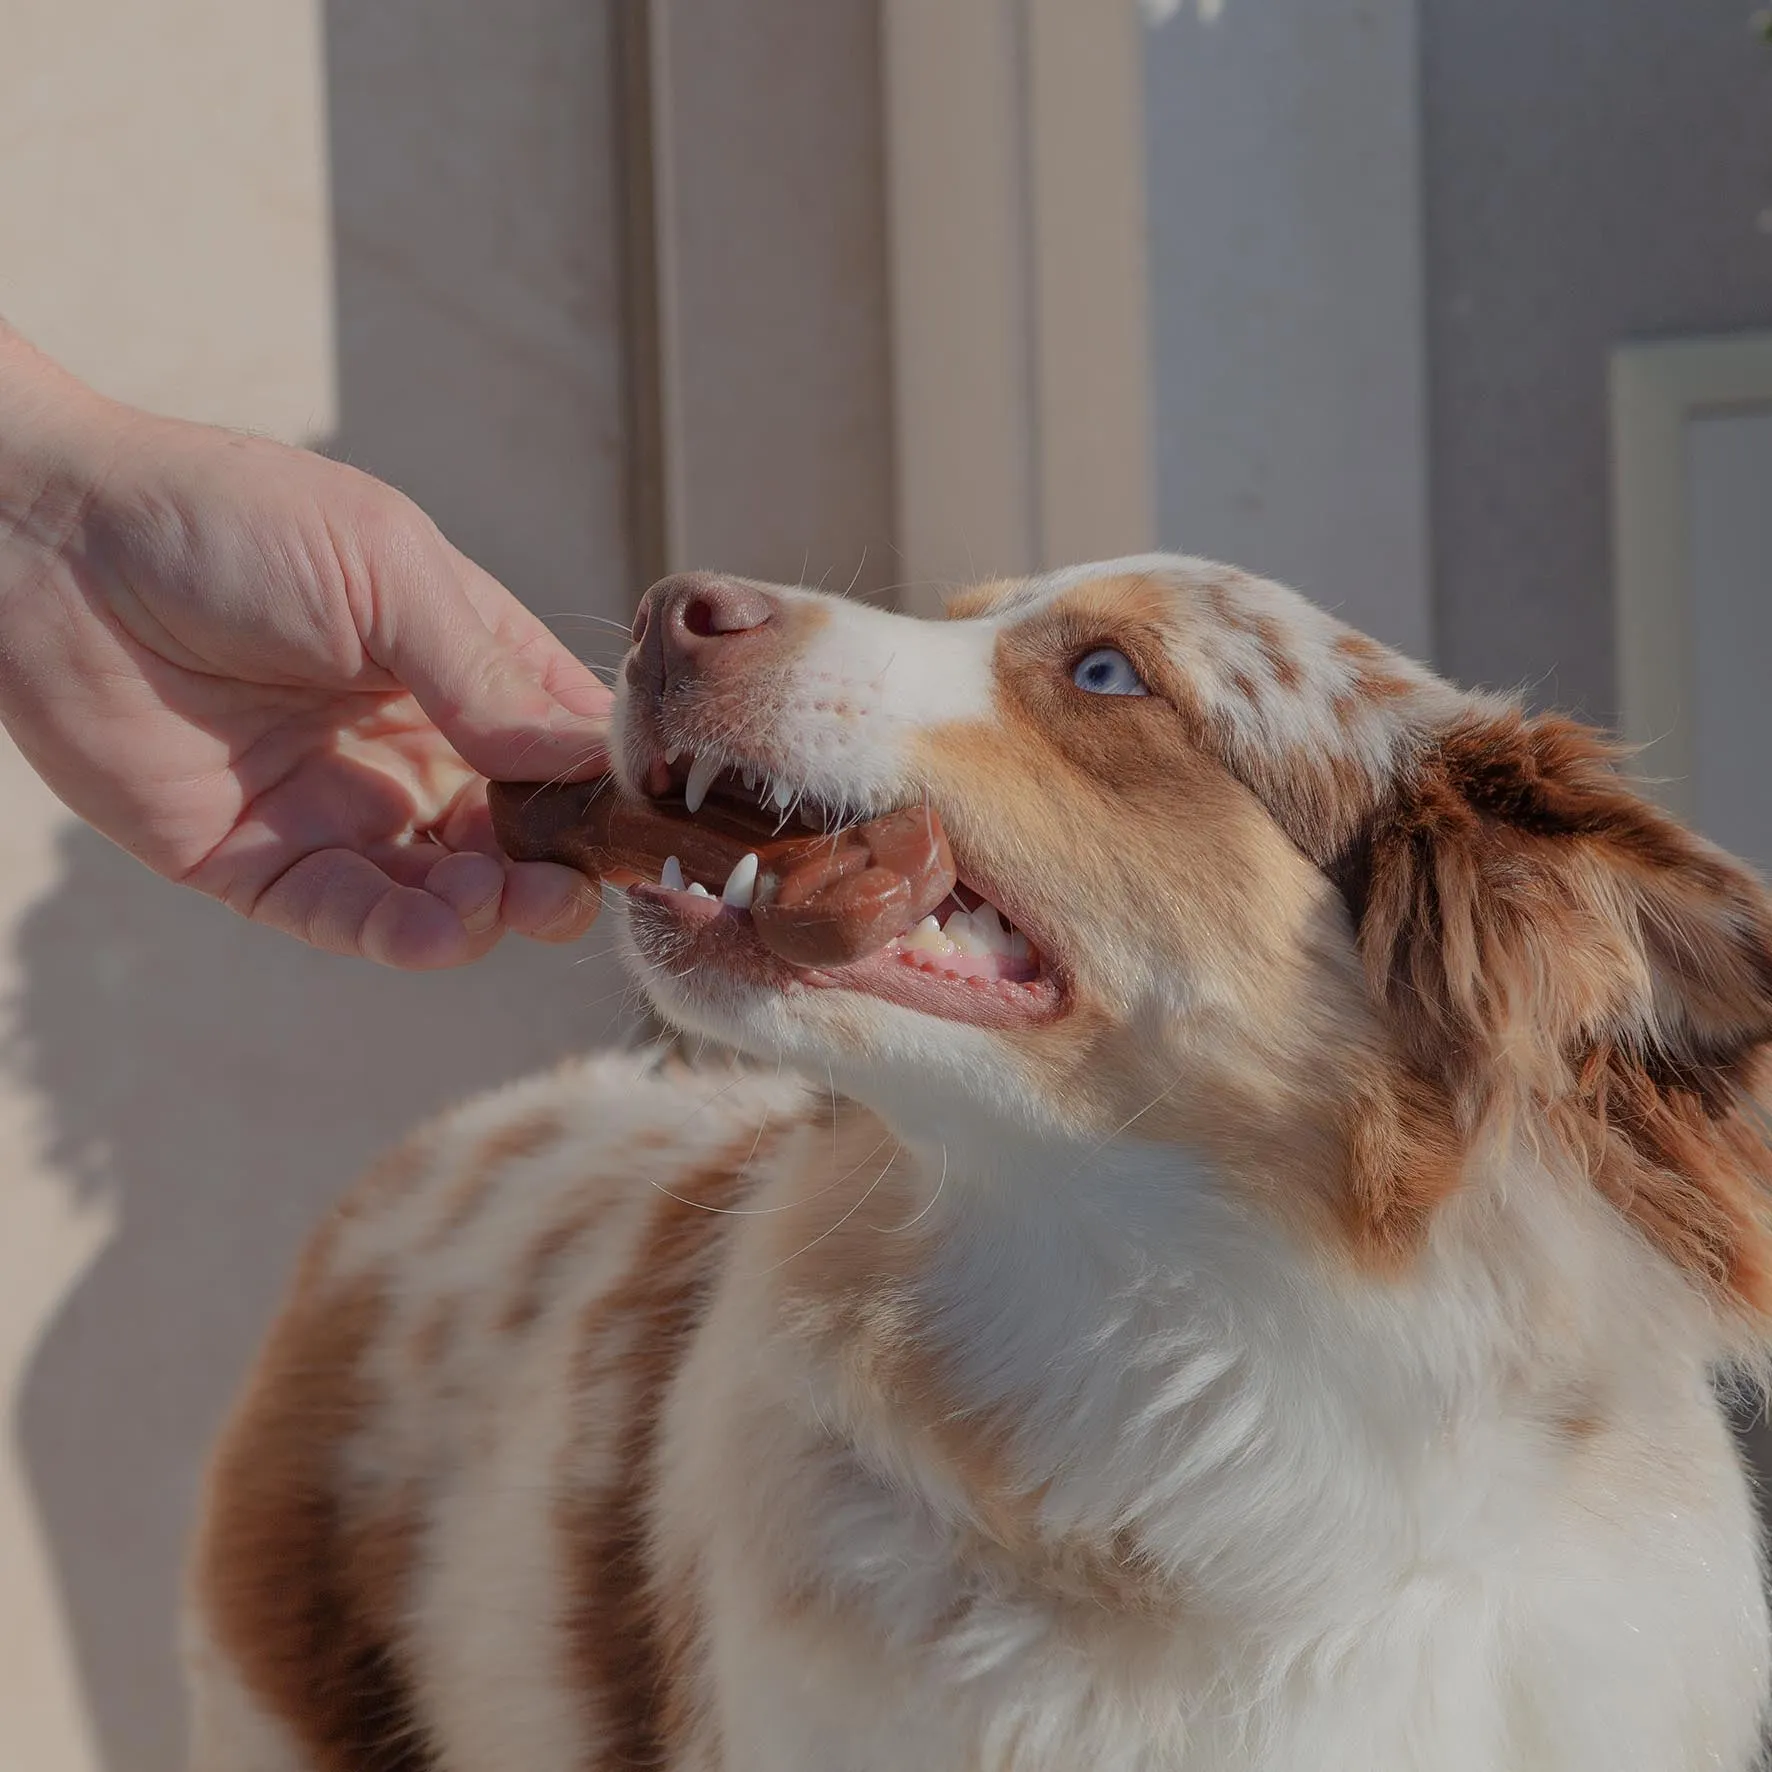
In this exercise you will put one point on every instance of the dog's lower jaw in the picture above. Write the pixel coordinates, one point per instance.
(1068, 1494)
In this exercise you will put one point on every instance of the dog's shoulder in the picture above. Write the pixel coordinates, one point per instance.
(590, 1139)
(446, 1334)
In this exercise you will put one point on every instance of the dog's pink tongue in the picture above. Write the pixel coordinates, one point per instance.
(839, 898)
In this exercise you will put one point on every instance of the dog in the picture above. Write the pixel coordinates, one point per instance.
(1249, 1294)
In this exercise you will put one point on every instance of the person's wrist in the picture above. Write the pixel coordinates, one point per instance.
(58, 442)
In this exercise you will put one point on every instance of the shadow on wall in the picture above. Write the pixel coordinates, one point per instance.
(221, 1084)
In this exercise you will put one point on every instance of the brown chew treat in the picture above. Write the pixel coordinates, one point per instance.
(821, 901)
(845, 896)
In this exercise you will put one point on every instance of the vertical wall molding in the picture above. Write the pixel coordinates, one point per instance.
(1092, 347)
(1021, 351)
(961, 290)
(887, 288)
(758, 333)
(634, 104)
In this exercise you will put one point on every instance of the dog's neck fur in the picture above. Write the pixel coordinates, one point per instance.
(1090, 1347)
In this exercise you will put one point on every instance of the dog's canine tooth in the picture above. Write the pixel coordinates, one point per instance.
(673, 753)
(701, 777)
(741, 883)
(781, 795)
(671, 876)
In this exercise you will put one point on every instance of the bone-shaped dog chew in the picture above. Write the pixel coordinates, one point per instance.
(823, 900)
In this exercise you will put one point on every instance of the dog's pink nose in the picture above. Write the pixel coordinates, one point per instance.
(684, 620)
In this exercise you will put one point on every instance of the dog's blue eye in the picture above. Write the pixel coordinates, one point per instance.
(1107, 672)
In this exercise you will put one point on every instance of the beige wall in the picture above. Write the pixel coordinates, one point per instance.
(163, 202)
(391, 227)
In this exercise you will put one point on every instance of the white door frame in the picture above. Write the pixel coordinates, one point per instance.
(1656, 389)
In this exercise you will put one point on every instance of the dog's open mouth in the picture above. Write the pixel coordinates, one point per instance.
(727, 867)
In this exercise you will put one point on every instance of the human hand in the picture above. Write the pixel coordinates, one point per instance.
(270, 678)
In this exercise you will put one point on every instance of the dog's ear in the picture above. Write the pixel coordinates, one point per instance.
(1539, 935)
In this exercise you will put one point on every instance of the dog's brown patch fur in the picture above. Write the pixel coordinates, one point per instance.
(528, 1136)
(543, 1259)
(302, 1590)
(632, 1646)
(1541, 934)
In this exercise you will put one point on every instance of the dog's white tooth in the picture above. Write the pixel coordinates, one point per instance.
(701, 777)
(927, 938)
(741, 883)
(671, 875)
(987, 932)
(673, 753)
(697, 890)
(964, 933)
(782, 795)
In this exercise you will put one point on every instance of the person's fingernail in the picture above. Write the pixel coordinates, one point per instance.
(482, 917)
(472, 886)
(579, 908)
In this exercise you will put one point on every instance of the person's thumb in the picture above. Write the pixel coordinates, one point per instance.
(507, 695)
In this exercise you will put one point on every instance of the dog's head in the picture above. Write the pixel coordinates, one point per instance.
(1234, 876)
